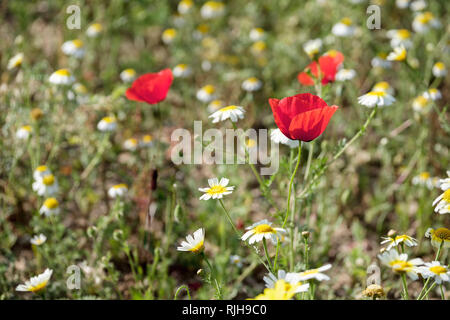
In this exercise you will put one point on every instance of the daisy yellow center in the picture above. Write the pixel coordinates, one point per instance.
(228, 108)
(403, 34)
(209, 89)
(41, 168)
(425, 175)
(439, 65)
(421, 101)
(446, 195)
(130, 71)
(109, 119)
(187, 3)
(433, 91)
(425, 18)
(197, 247)
(51, 203)
(400, 265)
(48, 180)
(264, 228)
(250, 143)
(259, 46)
(38, 287)
(381, 86)
(215, 5)
(442, 233)
(63, 72)
(346, 21)
(170, 33)
(120, 186)
(27, 128)
(252, 80)
(77, 43)
(377, 93)
(218, 189)
(438, 269)
(203, 28)
(96, 26)
(259, 30)
(147, 138)
(182, 66)
(402, 237)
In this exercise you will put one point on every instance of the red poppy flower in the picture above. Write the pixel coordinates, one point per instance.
(151, 87)
(328, 64)
(302, 117)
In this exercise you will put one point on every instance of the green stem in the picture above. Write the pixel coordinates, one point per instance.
(428, 291)
(291, 183)
(179, 289)
(405, 287)
(442, 291)
(213, 275)
(267, 253)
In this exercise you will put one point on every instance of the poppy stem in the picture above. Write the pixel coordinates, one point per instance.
(291, 183)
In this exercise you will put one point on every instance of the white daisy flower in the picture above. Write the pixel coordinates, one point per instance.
(400, 37)
(418, 5)
(128, 75)
(278, 137)
(400, 263)
(384, 87)
(62, 77)
(193, 243)
(312, 47)
(73, 48)
(236, 260)
(50, 207)
(234, 113)
(399, 54)
(421, 104)
(182, 71)
(206, 93)
(118, 191)
(402, 4)
(424, 21)
(24, 132)
(36, 283)
(436, 271)
(201, 31)
(444, 184)
(438, 236)
(15, 61)
(47, 186)
(78, 93)
(380, 62)
(251, 84)
(146, 141)
(291, 278)
(131, 144)
(432, 94)
(38, 239)
(376, 98)
(215, 105)
(40, 172)
(94, 30)
(344, 28)
(262, 230)
(168, 35)
(212, 9)
(107, 124)
(397, 240)
(424, 179)
(442, 203)
(345, 74)
(217, 189)
(257, 34)
(439, 70)
(314, 274)
(184, 6)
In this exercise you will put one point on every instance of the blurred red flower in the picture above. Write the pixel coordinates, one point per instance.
(328, 64)
(151, 87)
(302, 117)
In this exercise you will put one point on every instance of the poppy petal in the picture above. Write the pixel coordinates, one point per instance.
(309, 125)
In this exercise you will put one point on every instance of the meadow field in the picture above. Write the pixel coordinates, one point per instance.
(199, 149)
